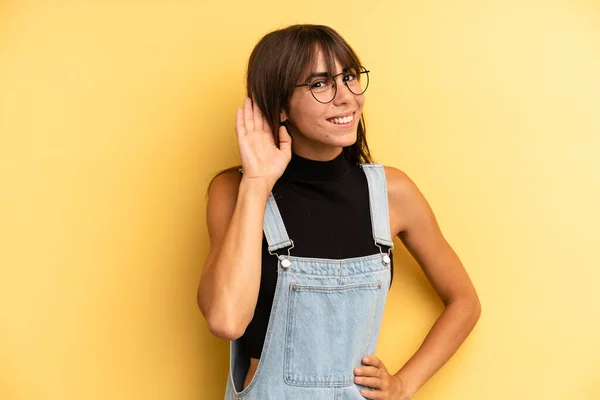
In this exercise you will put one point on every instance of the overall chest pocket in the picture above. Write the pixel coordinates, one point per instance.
(329, 329)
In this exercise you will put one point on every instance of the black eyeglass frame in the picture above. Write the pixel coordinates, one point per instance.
(364, 71)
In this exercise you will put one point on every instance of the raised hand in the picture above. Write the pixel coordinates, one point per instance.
(261, 158)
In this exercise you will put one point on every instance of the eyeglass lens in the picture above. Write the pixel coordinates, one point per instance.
(325, 88)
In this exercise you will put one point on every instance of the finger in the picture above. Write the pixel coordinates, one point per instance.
(374, 383)
(372, 394)
(257, 116)
(239, 123)
(372, 360)
(285, 141)
(248, 116)
(367, 371)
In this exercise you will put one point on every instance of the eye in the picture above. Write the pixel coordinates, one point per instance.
(350, 76)
(321, 84)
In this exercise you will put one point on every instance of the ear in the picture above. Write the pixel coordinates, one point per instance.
(283, 116)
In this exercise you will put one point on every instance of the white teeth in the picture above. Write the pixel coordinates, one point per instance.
(343, 120)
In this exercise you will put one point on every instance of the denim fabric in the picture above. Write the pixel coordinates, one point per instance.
(326, 315)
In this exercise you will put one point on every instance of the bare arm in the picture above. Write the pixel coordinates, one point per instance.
(424, 240)
(230, 282)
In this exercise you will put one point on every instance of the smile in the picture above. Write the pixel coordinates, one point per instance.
(342, 120)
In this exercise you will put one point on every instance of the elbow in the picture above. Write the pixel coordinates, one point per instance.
(478, 308)
(474, 307)
(222, 324)
(469, 305)
(224, 331)
(224, 328)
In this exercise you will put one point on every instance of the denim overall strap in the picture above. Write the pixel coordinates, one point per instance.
(273, 226)
(378, 202)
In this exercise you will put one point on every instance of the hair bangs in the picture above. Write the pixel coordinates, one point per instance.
(328, 43)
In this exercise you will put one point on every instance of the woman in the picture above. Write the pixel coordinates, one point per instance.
(302, 303)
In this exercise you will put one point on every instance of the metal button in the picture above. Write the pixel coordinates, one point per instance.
(285, 264)
(386, 259)
(293, 286)
(379, 283)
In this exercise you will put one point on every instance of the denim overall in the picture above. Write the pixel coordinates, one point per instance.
(325, 317)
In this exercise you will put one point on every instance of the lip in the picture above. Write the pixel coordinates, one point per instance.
(346, 125)
(342, 115)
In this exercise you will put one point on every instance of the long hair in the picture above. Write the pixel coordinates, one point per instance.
(277, 64)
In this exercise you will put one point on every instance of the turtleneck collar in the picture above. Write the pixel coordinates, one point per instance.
(312, 170)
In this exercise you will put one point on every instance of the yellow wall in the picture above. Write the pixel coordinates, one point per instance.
(113, 118)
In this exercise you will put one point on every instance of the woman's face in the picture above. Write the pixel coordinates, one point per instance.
(318, 132)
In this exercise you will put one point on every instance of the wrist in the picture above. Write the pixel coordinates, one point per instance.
(408, 390)
(256, 185)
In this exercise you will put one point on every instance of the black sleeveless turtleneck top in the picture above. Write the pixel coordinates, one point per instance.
(325, 209)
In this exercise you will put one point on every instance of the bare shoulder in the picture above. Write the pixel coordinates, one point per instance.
(225, 184)
(406, 202)
(222, 197)
(399, 185)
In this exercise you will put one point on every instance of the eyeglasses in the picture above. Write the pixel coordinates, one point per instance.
(324, 87)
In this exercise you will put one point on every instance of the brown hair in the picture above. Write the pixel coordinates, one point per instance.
(278, 62)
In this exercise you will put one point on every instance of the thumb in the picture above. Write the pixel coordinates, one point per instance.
(285, 140)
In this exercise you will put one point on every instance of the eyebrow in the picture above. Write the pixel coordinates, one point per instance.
(325, 74)
(316, 75)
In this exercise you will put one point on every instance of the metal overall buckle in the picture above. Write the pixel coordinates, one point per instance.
(285, 263)
(385, 258)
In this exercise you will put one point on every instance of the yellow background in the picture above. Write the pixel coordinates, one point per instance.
(113, 118)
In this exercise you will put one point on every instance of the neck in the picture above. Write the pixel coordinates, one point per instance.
(314, 151)
(316, 170)
(319, 155)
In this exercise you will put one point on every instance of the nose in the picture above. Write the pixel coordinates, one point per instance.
(343, 95)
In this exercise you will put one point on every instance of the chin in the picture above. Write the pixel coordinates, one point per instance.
(334, 139)
(348, 140)
(339, 141)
